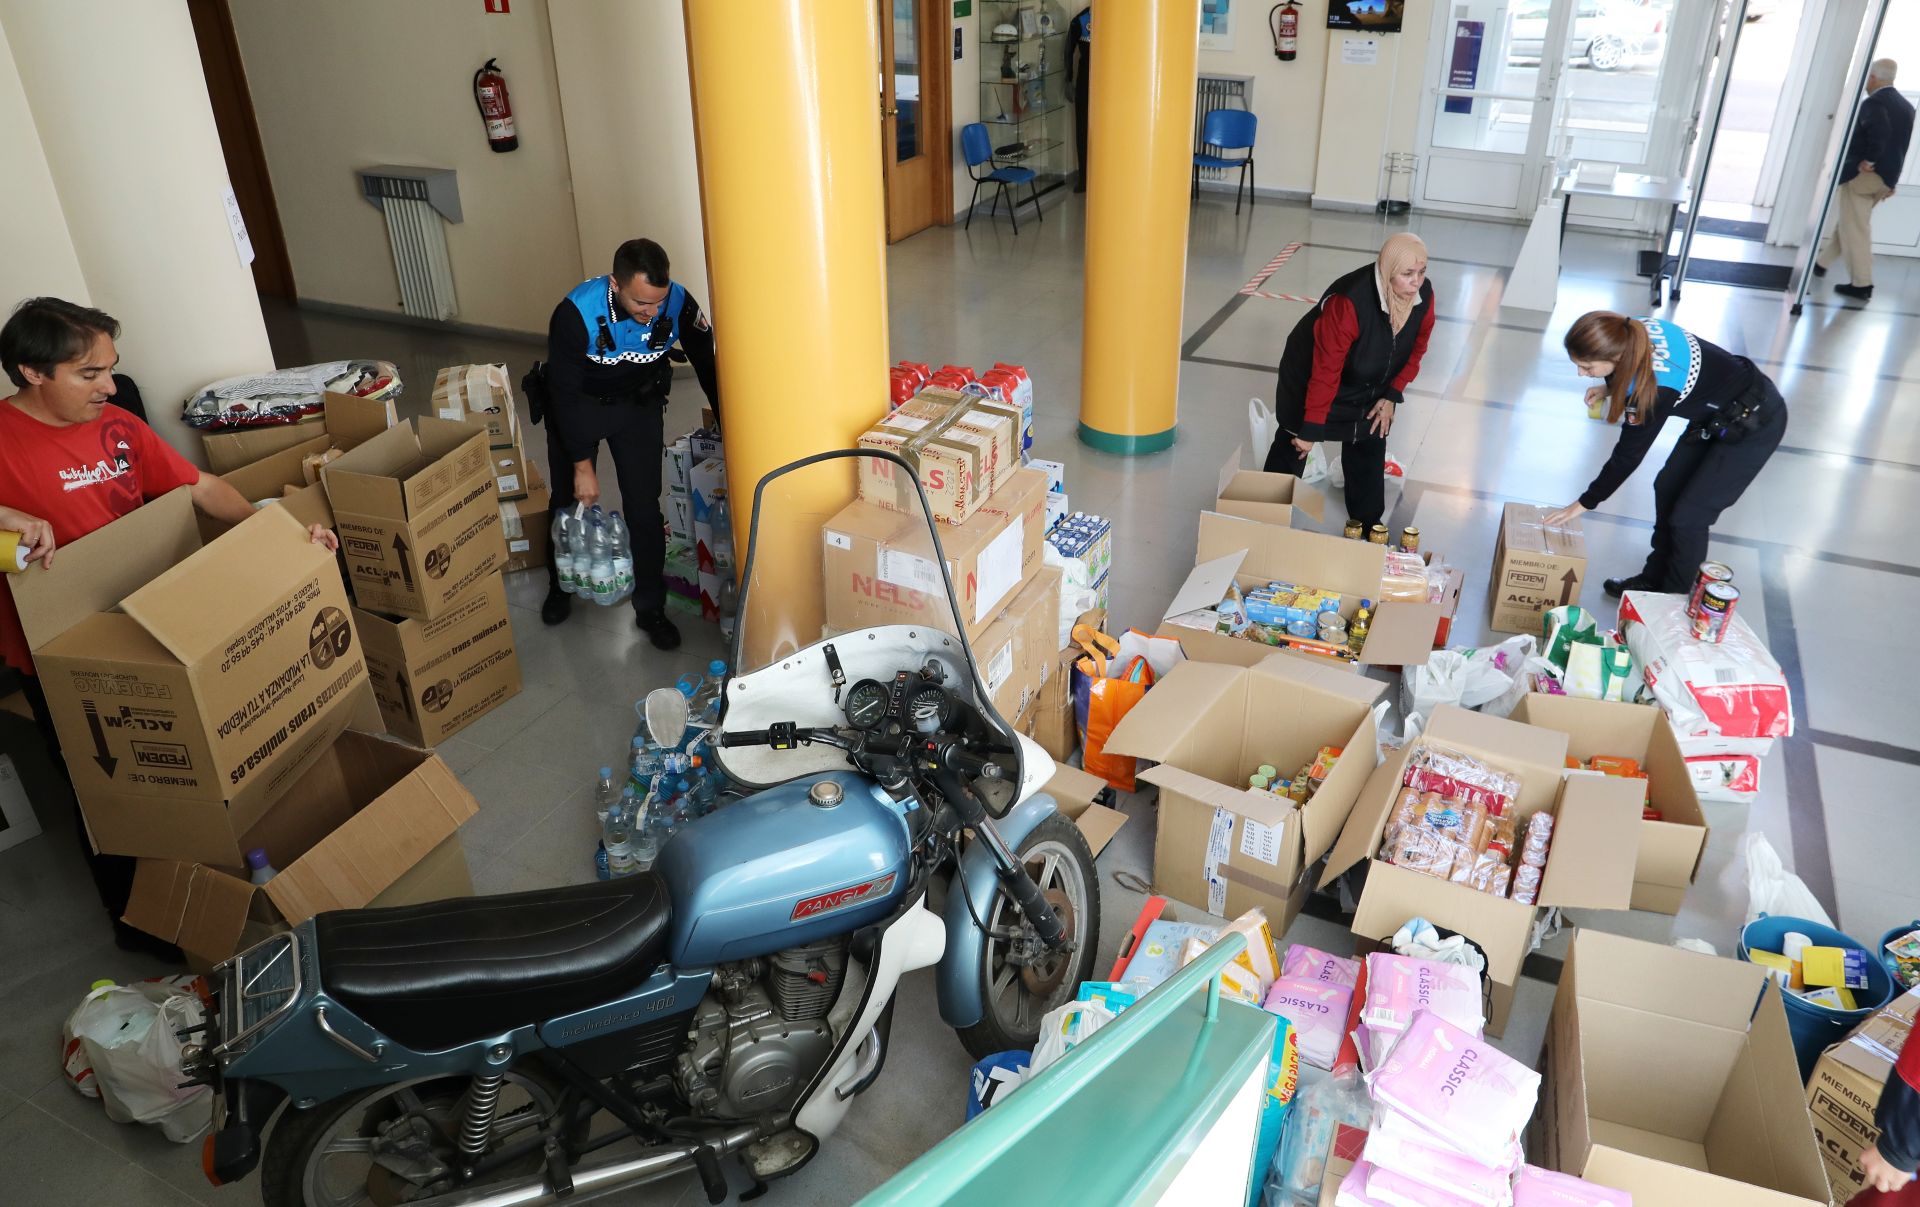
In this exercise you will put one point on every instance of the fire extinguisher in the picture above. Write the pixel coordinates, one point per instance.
(496, 111)
(1285, 22)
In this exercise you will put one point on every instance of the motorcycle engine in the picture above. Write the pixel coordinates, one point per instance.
(763, 1033)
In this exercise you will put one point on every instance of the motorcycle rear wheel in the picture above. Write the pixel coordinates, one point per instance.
(1017, 995)
(322, 1157)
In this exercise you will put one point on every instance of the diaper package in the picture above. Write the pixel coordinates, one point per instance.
(1318, 1012)
(1536, 1187)
(1437, 1169)
(1310, 963)
(1400, 986)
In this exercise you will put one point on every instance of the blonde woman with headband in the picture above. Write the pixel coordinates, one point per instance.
(1345, 366)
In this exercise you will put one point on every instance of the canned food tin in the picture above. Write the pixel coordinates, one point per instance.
(1302, 628)
(1356, 531)
(1377, 534)
(1715, 613)
(1410, 539)
(1333, 627)
(1710, 572)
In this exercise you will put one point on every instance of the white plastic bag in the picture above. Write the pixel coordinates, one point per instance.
(1772, 889)
(1065, 1028)
(1469, 678)
(121, 1047)
(1262, 427)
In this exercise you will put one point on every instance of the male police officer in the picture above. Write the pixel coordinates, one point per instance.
(607, 378)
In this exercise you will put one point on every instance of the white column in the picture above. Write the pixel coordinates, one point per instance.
(120, 106)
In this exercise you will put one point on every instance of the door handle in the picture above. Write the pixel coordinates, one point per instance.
(888, 111)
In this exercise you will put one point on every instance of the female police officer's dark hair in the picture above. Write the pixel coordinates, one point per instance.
(641, 256)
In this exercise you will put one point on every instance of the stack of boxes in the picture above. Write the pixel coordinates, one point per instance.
(694, 472)
(482, 394)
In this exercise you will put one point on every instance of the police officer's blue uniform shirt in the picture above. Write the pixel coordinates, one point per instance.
(613, 335)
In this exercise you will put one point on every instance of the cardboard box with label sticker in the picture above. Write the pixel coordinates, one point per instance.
(1669, 849)
(1845, 1089)
(1662, 1078)
(512, 476)
(190, 685)
(881, 566)
(1590, 859)
(1535, 567)
(481, 394)
(527, 525)
(1014, 653)
(373, 822)
(1253, 494)
(1232, 550)
(418, 516)
(433, 678)
(955, 469)
(1221, 845)
(345, 423)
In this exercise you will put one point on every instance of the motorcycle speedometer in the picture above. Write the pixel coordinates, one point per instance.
(867, 704)
(929, 708)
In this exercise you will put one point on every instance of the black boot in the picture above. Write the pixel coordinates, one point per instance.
(664, 634)
(1859, 293)
(1819, 270)
(1617, 587)
(558, 606)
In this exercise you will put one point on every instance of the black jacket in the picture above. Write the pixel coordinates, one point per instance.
(576, 383)
(1880, 136)
(1343, 356)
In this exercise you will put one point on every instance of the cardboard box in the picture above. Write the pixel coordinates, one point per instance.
(1073, 792)
(527, 525)
(1015, 653)
(882, 567)
(1662, 1079)
(1209, 726)
(1534, 568)
(1048, 719)
(955, 468)
(1235, 550)
(1253, 494)
(1845, 1089)
(243, 446)
(373, 823)
(345, 423)
(676, 467)
(418, 515)
(480, 394)
(1590, 862)
(190, 684)
(433, 678)
(512, 476)
(1669, 853)
(708, 487)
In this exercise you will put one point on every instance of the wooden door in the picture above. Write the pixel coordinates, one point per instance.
(916, 129)
(240, 142)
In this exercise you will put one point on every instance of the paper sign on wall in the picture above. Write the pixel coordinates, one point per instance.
(237, 226)
(1360, 52)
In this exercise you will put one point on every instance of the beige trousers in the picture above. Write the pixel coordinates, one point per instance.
(1852, 235)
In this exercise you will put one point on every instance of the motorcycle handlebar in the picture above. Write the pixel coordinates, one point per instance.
(972, 765)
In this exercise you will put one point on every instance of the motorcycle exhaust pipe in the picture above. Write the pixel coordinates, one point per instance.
(593, 1181)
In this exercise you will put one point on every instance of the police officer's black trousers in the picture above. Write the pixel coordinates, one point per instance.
(1701, 479)
(633, 431)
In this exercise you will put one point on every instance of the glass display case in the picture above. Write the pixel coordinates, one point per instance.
(1025, 99)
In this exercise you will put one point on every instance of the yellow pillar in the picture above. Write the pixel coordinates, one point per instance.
(1140, 145)
(787, 125)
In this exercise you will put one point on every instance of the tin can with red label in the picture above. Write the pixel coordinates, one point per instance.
(1710, 572)
(1715, 613)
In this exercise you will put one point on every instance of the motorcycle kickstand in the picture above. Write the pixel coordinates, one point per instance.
(757, 1189)
(557, 1170)
(711, 1178)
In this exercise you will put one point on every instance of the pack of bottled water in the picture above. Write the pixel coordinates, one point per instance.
(593, 554)
(662, 790)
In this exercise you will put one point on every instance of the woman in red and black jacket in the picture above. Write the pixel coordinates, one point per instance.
(1344, 368)
(1889, 1162)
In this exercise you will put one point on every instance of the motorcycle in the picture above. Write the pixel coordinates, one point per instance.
(729, 1004)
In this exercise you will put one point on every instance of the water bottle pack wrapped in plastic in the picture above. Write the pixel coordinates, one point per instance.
(662, 790)
(593, 554)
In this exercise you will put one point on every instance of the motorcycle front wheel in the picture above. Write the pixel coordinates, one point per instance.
(395, 1144)
(1021, 979)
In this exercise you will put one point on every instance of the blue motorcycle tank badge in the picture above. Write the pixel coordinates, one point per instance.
(826, 903)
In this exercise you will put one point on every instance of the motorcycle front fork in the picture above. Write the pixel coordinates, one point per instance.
(1013, 876)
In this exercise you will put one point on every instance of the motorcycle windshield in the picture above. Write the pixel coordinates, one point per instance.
(845, 570)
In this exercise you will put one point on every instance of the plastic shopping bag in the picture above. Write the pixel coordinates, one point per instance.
(1109, 678)
(1772, 889)
(1065, 1028)
(121, 1047)
(1469, 678)
(1599, 672)
(1262, 427)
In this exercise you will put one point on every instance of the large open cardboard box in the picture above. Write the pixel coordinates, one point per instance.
(1254, 494)
(419, 516)
(1663, 1079)
(373, 823)
(1590, 860)
(1221, 845)
(1234, 550)
(345, 423)
(1669, 848)
(190, 685)
(433, 678)
(1845, 1089)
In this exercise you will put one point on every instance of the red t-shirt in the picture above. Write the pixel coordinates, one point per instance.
(77, 478)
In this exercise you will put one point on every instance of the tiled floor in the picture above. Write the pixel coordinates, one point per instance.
(1495, 415)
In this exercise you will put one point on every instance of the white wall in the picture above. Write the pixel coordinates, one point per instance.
(36, 252)
(627, 107)
(130, 147)
(1286, 96)
(965, 90)
(348, 84)
(1366, 111)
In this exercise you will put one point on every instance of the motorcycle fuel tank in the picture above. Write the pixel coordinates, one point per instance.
(777, 870)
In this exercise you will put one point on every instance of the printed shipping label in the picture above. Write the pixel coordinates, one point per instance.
(1260, 842)
(510, 482)
(904, 569)
(999, 571)
(999, 669)
(1219, 850)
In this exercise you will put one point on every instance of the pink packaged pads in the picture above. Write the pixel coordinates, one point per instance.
(1471, 1096)
(1440, 1169)
(1314, 964)
(1397, 1190)
(1395, 1126)
(1353, 1188)
(1536, 1187)
(1318, 1012)
(1398, 986)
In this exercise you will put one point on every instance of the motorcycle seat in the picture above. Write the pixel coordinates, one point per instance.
(449, 972)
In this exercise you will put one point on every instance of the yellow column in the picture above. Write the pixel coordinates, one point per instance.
(787, 125)
(1140, 144)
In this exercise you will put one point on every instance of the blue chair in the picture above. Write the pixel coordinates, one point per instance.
(1227, 130)
(978, 149)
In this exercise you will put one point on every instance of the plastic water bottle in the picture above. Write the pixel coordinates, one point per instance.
(645, 844)
(600, 560)
(606, 794)
(622, 552)
(723, 537)
(619, 850)
(258, 869)
(729, 602)
(705, 791)
(601, 871)
(563, 552)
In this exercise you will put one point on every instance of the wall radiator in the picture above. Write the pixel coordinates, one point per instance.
(417, 203)
(1218, 92)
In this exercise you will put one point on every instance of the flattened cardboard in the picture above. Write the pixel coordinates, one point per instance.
(1253, 494)
(433, 678)
(376, 823)
(1670, 849)
(1534, 568)
(418, 516)
(1729, 1123)
(181, 706)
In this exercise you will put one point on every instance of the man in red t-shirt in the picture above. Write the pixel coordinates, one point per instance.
(74, 463)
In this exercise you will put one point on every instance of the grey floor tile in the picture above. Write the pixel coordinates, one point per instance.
(178, 1165)
(49, 1164)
